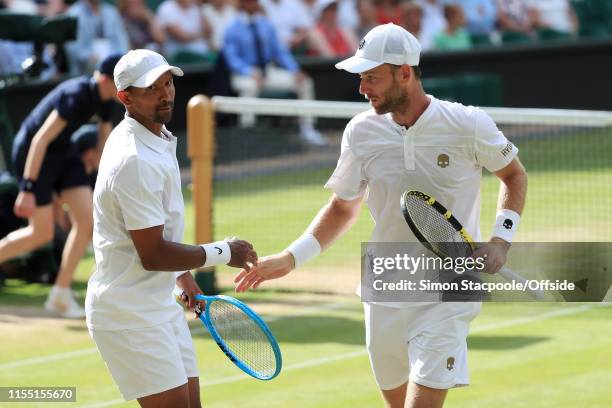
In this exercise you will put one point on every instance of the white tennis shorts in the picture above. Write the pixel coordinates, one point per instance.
(425, 344)
(148, 361)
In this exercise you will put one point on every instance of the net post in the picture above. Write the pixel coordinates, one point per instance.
(200, 150)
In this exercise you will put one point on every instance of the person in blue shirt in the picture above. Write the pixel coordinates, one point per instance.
(481, 16)
(100, 33)
(46, 163)
(259, 61)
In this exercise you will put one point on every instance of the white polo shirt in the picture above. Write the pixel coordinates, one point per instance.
(442, 154)
(138, 187)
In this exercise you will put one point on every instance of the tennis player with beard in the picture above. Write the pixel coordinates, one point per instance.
(139, 329)
(410, 141)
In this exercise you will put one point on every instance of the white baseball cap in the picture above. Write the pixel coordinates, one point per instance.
(140, 68)
(387, 43)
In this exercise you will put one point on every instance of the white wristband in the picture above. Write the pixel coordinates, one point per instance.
(304, 248)
(177, 274)
(217, 253)
(506, 224)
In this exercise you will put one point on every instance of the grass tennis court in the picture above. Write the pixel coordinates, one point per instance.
(535, 355)
(522, 355)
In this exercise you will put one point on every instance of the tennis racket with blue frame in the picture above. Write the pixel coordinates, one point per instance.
(242, 335)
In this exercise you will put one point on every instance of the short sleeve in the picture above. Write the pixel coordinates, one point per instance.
(138, 189)
(347, 180)
(493, 150)
(69, 104)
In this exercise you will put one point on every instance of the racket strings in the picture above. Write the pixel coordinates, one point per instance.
(444, 239)
(243, 336)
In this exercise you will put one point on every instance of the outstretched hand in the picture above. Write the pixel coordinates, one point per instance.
(243, 254)
(269, 267)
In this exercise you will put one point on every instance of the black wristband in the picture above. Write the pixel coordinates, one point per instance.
(27, 185)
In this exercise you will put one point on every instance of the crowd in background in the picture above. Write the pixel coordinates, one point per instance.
(194, 31)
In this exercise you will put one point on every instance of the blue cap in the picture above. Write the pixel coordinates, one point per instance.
(107, 65)
(85, 137)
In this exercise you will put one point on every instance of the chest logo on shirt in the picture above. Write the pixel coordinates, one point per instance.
(443, 160)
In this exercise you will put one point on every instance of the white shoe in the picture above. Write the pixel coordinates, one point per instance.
(61, 301)
(312, 136)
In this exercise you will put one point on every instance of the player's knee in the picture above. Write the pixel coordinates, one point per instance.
(420, 396)
(41, 234)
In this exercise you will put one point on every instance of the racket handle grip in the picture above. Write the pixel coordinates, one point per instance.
(510, 276)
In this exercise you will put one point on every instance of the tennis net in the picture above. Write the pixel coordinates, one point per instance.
(268, 183)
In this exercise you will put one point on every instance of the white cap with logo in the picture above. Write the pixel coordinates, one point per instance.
(141, 68)
(384, 44)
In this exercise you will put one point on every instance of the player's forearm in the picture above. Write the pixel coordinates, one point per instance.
(513, 191)
(34, 160)
(173, 257)
(41, 140)
(333, 220)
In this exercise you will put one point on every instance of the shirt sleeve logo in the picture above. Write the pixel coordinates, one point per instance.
(506, 150)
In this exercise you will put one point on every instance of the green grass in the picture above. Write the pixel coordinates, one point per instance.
(547, 362)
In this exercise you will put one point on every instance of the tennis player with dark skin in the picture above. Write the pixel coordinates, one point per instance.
(396, 90)
(153, 107)
(139, 330)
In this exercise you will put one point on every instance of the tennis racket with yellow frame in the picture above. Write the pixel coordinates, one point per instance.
(440, 232)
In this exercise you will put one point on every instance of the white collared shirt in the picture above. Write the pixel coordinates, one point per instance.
(138, 187)
(442, 154)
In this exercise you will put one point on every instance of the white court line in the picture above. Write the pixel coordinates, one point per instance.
(47, 359)
(82, 352)
(521, 320)
(345, 356)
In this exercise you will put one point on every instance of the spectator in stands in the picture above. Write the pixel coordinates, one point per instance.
(100, 33)
(185, 26)
(455, 36)
(291, 21)
(412, 21)
(141, 25)
(218, 13)
(328, 39)
(388, 11)
(21, 6)
(46, 163)
(515, 16)
(347, 15)
(251, 48)
(481, 16)
(7, 66)
(51, 8)
(433, 21)
(311, 10)
(367, 17)
(556, 16)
